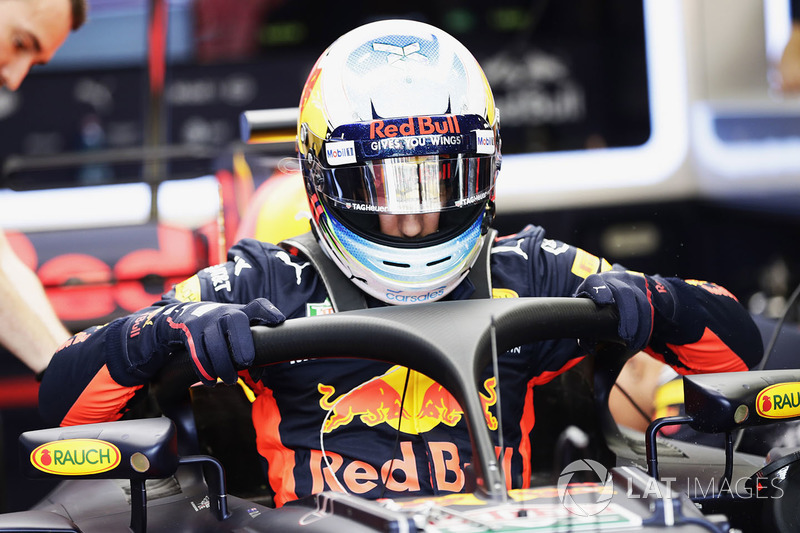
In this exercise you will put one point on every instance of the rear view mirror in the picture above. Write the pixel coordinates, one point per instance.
(720, 403)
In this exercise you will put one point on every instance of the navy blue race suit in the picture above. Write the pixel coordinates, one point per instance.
(354, 404)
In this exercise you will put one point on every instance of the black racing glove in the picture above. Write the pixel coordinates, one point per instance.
(217, 337)
(633, 294)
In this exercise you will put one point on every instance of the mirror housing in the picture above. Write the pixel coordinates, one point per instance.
(725, 402)
(129, 449)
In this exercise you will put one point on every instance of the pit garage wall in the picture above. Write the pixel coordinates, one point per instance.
(750, 251)
(715, 191)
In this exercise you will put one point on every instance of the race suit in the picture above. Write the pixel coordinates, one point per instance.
(88, 381)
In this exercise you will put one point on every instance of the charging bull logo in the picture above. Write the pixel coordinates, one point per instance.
(73, 457)
(779, 401)
(427, 404)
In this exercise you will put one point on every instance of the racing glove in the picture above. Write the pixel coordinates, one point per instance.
(216, 335)
(637, 298)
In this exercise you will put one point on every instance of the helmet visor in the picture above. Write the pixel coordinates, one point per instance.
(410, 184)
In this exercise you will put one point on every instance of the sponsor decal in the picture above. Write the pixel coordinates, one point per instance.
(219, 277)
(516, 249)
(484, 141)
(504, 293)
(554, 247)
(378, 401)
(76, 457)
(382, 129)
(142, 321)
(298, 268)
(779, 401)
(239, 264)
(366, 207)
(398, 296)
(713, 288)
(79, 337)
(472, 199)
(188, 290)
(324, 308)
(340, 153)
(359, 477)
(383, 146)
(584, 263)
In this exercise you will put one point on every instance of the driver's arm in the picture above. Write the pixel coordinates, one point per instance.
(95, 375)
(693, 326)
(30, 330)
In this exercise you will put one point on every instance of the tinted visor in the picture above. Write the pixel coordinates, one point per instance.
(411, 184)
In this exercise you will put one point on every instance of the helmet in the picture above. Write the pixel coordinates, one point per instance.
(397, 119)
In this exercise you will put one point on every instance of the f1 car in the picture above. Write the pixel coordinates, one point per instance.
(139, 474)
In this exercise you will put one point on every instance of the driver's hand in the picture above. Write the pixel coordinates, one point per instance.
(631, 293)
(217, 336)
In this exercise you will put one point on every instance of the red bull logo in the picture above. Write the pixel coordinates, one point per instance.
(382, 129)
(373, 402)
(427, 404)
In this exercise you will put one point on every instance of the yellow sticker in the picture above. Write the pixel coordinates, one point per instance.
(188, 290)
(76, 457)
(504, 293)
(584, 263)
(779, 401)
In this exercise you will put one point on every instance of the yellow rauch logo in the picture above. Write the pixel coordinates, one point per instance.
(779, 401)
(76, 457)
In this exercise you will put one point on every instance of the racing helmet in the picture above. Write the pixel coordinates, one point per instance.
(397, 119)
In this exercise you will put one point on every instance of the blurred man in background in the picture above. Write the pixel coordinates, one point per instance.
(31, 31)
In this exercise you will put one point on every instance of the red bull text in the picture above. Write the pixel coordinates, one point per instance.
(359, 477)
(380, 129)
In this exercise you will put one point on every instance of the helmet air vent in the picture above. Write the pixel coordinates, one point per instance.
(442, 260)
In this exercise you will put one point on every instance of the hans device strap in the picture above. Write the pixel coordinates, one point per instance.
(480, 274)
(345, 296)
